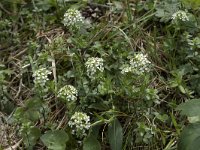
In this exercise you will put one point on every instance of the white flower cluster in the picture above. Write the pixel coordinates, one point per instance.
(93, 65)
(139, 64)
(41, 76)
(126, 68)
(80, 123)
(182, 15)
(68, 93)
(73, 18)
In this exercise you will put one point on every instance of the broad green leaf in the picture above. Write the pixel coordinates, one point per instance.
(91, 143)
(192, 3)
(190, 138)
(30, 111)
(115, 135)
(31, 137)
(55, 140)
(33, 103)
(190, 108)
(165, 9)
(194, 119)
(95, 130)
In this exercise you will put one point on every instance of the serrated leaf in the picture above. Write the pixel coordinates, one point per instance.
(190, 108)
(91, 143)
(55, 140)
(115, 135)
(190, 138)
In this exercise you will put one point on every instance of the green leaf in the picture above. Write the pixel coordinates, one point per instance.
(91, 143)
(1, 147)
(192, 3)
(33, 103)
(194, 119)
(190, 108)
(95, 130)
(190, 138)
(99, 106)
(55, 140)
(31, 137)
(31, 110)
(181, 88)
(115, 135)
(165, 9)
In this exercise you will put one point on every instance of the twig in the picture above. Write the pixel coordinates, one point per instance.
(14, 146)
(53, 63)
(1, 6)
(19, 89)
(61, 122)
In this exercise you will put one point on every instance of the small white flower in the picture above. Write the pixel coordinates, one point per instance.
(125, 69)
(93, 65)
(139, 64)
(68, 93)
(41, 76)
(182, 15)
(80, 123)
(72, 17)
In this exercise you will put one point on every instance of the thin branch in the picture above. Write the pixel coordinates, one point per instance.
(14, 147)
(1, 7)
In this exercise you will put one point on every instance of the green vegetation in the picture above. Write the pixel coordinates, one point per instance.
(100, 74)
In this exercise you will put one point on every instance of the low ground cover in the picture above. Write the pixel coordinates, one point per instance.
(99, 75)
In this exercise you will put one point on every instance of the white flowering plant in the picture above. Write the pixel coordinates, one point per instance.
(68, 93)
(110, 65)
(41, 77)
(180, 15)
(80, 124)
(73, 18)
(93, 66)
(138, 65)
